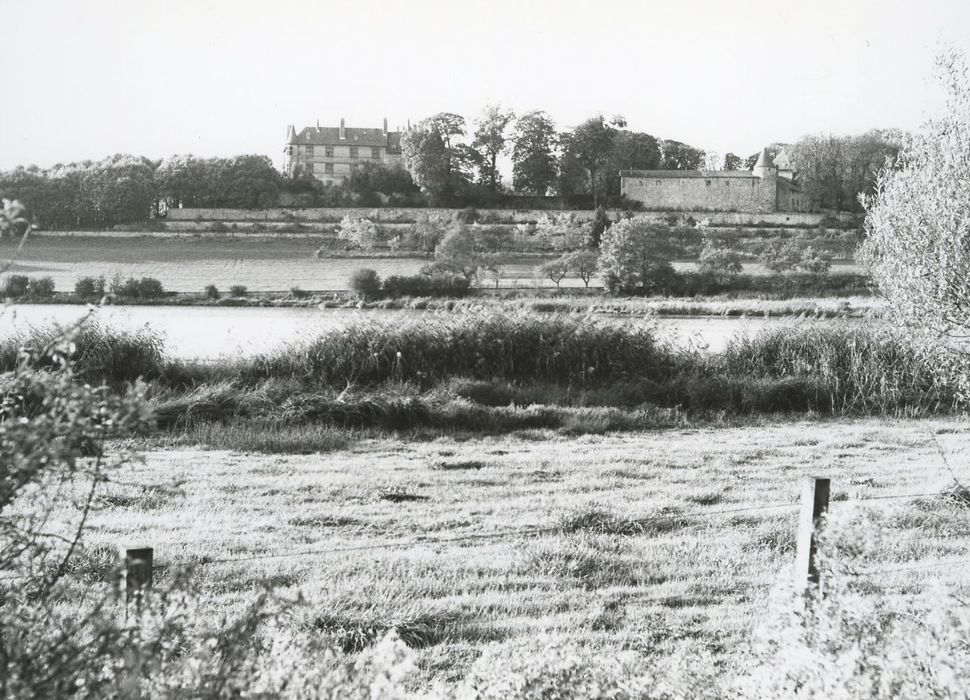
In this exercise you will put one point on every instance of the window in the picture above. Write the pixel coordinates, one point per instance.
(375, 152)
(353, 151)
(328, 151)
(328, 168)
(707, 182)
(288, 150)
(309, 150)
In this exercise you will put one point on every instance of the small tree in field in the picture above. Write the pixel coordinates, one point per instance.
(918, 221)
(635, 257)
(583, 263)
(718, 260)
(363, 233)
(556, 270)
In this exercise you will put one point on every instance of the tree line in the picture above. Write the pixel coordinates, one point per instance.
(456, 164)
(124, 189)
(446, 162)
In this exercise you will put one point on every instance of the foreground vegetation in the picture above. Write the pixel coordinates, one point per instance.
(643, 576)
(498, 373)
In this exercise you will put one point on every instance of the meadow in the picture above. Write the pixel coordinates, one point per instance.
(536, 495)
(658, 544)
(188, 263)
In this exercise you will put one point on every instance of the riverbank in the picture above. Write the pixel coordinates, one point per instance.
(857, 307)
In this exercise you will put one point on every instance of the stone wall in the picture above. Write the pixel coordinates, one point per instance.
(507, 216)
(734, 194)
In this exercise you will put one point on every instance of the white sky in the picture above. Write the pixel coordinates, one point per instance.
(85, 79)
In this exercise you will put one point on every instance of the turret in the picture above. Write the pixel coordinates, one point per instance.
(290, 134)
(765, 167)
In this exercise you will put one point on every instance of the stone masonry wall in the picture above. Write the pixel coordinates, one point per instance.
(735, 194)
(402, 215)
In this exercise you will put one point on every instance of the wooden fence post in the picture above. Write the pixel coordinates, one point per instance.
(815, 504)
(138, 574)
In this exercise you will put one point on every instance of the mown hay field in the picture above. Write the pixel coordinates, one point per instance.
(188, 264)
(651, 542)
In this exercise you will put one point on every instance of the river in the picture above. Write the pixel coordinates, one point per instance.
(208, 332)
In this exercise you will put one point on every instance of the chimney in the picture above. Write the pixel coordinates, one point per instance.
(318, 126)
(385, 126)
(343, 134)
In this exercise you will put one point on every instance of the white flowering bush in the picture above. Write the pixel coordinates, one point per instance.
(560, 231)
(918, 220)
(361, 232)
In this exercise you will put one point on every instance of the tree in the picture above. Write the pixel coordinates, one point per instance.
(583, 263)
(635, 257)
(918, 219)
(490, 141)
(465, 250)
(590, 144)
(719, 260)
(376, 183)
(362, 233)
(556, 270)
(834, 170)
(534, 141)
(601, 222)
(632, 150)
(732, 162)
(680, 156)
(559, 232)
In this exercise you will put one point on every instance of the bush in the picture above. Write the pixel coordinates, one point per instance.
(41, 287)
(210, 292)
(468, 215)
(145, 288)
(366, 283)
(237, 290)
(90, 287)
(298, 293)
(440, 285)
(717, 260)
(16, 286)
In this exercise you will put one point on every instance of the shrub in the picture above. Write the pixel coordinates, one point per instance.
(237, 290)
(90, 287)
(218, 227)
(717, 260)
(362, 233)
(41, 287)
(298, 293)
(780, 256)
(438, 285)
(468, 215)
(635, 257)
(145, 288)
(16, 286)
(150, 288)
(366, 283)
(210, 292)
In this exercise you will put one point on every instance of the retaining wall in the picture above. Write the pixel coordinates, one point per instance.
(395, 215)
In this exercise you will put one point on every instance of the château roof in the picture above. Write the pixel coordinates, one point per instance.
(764, 160)
(353, 136)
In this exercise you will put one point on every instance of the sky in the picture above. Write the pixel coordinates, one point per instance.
(89, 78)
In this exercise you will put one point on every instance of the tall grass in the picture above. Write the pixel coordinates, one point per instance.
(101, 354)
(482, 346)
(487, 372)
(860, 369)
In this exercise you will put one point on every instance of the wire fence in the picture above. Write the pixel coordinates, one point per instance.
(622, 526)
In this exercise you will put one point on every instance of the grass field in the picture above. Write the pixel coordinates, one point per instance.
(187, 264)
(647, 546)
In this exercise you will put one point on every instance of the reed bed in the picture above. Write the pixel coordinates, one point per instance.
(486, 372)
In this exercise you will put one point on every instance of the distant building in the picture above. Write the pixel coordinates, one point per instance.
(770, 187)
(329, 153)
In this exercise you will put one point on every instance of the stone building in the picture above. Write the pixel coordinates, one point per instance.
(770, 187)
(329, 153)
